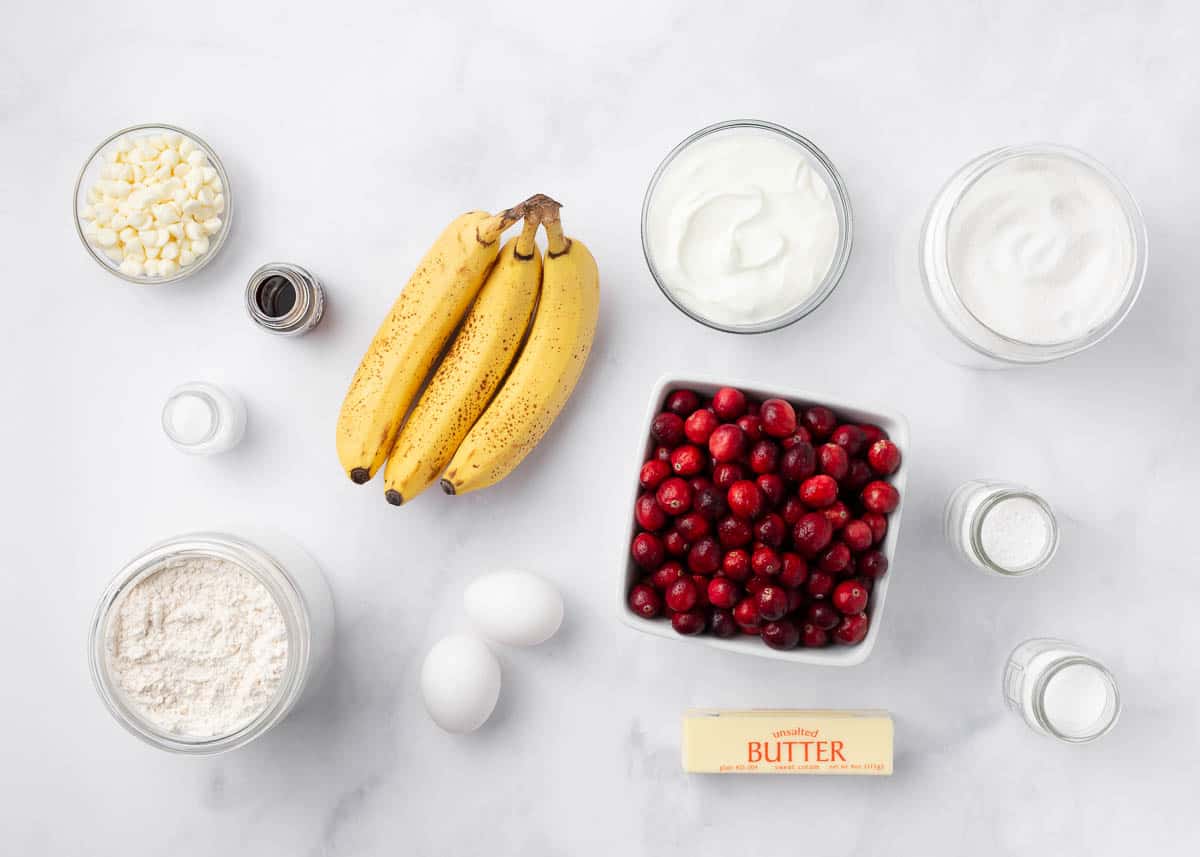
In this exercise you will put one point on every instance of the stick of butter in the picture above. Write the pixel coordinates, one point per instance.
(765, 741)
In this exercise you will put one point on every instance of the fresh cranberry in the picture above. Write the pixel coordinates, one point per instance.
(781, 635)
(682, 595)
(818, 491)
(736, 565)
(838, 514)
(778, 418)
(799, 462)
(728, 403)
(653, 473)
(849, 437)
(832, 460)
(701, 590)
(772, 602)
(746, 613)
(663, 454)
(835, 559)
(754, 584)
(772, 486)
(647, 550)
(873, 564)
(881, 497)
(793, 510)
(649, 514)
(700, 426)
(667, 429)
(723, 592)
(811, 534)
(645, 601)
(709, 501)
(674, 542)
(849, 597)
(704, 556)
(764, 457)
(751, 425)
(770, 530)
(878, 524)
(745, 500)
(682, 402)
(693, 526)
(734, 532)
(819, 421)
(873, 433)
(696, 483)
(669, 572)
(857, 476)
(884, 457)
(721, 624)
(857, 535)
(689, 624)
(851, 629)
(726, 473)
(813, 637)
(795, 570)
(688, 460)
(765, 562)
(800, 435)
(821, 614)
(674, 495)
(727, 443)
(818, 585)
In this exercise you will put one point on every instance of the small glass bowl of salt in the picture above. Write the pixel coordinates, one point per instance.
(1002, 528)
(203, 419)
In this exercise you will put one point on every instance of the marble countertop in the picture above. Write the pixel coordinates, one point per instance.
(351, 135)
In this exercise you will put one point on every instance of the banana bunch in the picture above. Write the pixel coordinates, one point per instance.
(527, 333)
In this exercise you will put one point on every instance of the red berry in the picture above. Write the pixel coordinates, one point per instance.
(726, 473)
(682, 402)
(652, 474)
(837, 513)
(872, 433)
(835, 559)
(857, 536)
(793, 510)
(647, 551)
(822, 615)
(727, 443)
(649, 514)
(850, 597)
(700, 426)
(756, 583)
(667, 429)
(728, 403)
(770, 530)
(645, 601)
(692, 526)
(704, 557)
(736, 565)
(873, 565)
(801, 435)
(781, 635)
(690, 623)
(674, 495)
(772, 486)
(832, 460)
(799, 462)
(733, 532)
(709, 501)
(849, 437)
(701, 590)
(745, 500)
(795, 570)
(778, 418)
(723, 592)
(669, 572)
(772, 602)
(751, 424)
(851, 629)
(819, 421)
(884, 457)
(688, 460)
(813, 637)
(765, 562)
(818, 585)
(746, 613)
(858, 476)
(881, 497)
(878, 524)
(674, 542)
(764, 457)
(812, 533)
(682, 595)
(721, 624)
(818, 491)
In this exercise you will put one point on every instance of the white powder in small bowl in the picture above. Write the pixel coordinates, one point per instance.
(198, 648)
(1016, 533)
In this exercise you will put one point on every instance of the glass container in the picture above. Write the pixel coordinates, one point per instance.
(1000, 527)
(1060, 691)
(284, 299)
(203, 419)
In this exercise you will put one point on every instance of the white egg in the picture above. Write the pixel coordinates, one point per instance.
(460, 681)
(514, 607)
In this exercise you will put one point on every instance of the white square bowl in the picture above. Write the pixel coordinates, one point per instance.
(834, 655)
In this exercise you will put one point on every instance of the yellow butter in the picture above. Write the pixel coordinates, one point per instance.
(765, 741)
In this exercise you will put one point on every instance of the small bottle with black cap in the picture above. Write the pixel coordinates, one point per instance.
(285, 299)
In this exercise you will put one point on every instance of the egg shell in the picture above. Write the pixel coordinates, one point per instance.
(516, 608)
(460, 682)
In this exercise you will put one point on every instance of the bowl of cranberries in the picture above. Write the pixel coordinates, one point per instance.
(764, 521)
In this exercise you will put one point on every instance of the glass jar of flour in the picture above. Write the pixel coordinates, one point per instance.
(1060, 691)
(206, 641)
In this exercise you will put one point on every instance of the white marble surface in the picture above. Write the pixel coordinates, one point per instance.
(351, 134)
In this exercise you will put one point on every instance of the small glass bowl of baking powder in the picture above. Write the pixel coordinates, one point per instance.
(274, 564)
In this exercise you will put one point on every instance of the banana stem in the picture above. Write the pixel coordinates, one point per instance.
(525, 241)
(492, 228)
(547, 213)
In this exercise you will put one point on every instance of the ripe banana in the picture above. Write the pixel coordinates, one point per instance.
(412, 336)
(470, 372)
(546, 370)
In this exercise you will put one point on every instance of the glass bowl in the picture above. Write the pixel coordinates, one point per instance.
(91, 172)
(841, 199)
